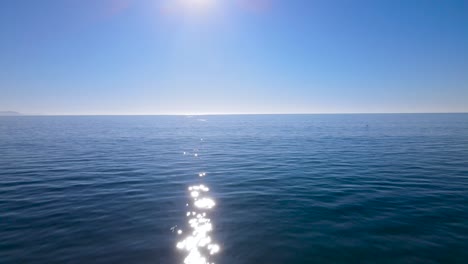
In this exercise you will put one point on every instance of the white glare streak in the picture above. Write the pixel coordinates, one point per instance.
(198, 244)
(205, 203)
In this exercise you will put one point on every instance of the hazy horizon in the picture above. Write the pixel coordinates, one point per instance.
(14, 113)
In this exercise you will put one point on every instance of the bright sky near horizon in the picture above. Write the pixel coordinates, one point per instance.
(233, 56)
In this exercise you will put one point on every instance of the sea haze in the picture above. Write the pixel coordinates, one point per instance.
(390, 188)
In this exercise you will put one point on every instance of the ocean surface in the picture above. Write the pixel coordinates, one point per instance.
(390, 188)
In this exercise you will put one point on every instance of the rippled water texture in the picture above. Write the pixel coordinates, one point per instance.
(275, 189)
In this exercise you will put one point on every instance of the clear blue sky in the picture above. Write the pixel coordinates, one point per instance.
(233, 56)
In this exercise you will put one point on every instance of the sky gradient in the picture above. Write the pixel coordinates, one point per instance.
(233, 56)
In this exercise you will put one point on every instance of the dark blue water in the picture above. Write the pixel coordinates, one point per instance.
(287, 189)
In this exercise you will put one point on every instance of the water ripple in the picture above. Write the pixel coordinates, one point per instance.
(261, 189)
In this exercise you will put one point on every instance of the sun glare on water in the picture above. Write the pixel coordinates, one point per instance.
(198, 244)
(195, 240)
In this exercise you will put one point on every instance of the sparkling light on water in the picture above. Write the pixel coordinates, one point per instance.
(205, 203)
(198, 244)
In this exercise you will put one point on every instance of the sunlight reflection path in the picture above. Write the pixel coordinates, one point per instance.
(197, 244)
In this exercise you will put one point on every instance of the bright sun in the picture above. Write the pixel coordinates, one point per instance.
(197, 4)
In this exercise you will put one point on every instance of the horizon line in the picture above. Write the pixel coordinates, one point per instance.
(232, 114)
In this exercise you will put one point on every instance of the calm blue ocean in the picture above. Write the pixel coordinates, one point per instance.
(286, 189)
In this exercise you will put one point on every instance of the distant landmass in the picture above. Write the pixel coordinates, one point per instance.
(9, 113)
